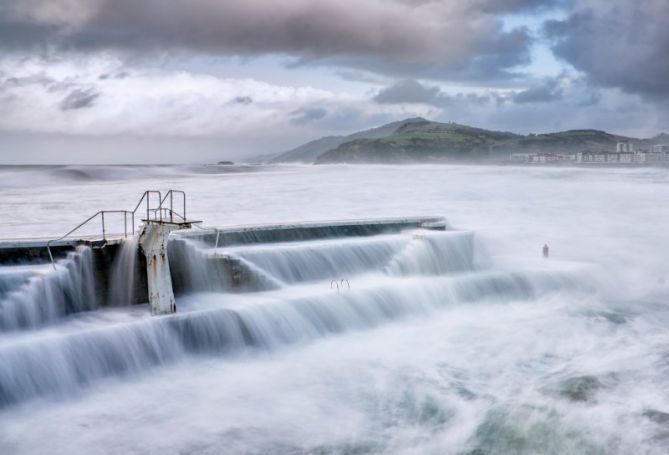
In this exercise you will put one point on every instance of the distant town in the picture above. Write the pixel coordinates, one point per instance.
(625, 154)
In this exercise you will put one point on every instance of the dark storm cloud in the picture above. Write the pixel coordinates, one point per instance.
(548, 91)
(437, 38)
(79, 99)
(593, 98)
(617, 43)
(410, 91)
(501, 6)
(23, 35)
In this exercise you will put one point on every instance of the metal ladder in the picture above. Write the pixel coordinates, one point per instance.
(161, 212)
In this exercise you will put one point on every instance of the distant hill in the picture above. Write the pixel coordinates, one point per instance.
(309, 152)
(662, 138)
(423, 140)
(420, 141)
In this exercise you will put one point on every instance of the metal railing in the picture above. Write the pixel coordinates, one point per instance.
(336, 284)
(152, 214)
(145, 197)
(170, 211)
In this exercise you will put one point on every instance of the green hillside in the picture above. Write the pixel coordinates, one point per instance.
(421, 140)
(309, 152)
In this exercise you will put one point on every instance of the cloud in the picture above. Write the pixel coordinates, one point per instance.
(409, 91)
(549, 90)
(243, 100)
(436, 38)
(360, 76)
(617, 43)
(47, 96)
(79, 99)
(307, 115)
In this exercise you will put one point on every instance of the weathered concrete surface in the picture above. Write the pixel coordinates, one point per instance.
(30, 251)
(104, 260)
(294, 232)
(153, 242)
(104, 253)
(229, 273)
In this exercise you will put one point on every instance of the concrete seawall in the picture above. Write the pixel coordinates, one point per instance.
(295, 232)
(106, 252)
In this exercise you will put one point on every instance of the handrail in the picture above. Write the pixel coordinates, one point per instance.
(146, 196)
(170, 194)
(104, 232)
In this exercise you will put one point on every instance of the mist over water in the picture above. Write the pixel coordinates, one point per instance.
(464, 342)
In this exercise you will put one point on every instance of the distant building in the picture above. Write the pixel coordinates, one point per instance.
(545, 158)
(605, 157)
(626, 157)
(520, 157)
(624, 147)
(657, 155)
(593, 157)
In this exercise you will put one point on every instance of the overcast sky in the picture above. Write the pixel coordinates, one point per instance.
(114, 81)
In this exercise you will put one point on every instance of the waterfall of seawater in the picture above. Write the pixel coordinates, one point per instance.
(124, 273)
(287, 299)
(31, 296)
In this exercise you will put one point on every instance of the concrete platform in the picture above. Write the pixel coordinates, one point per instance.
(295, 232)
(15, 252)
(33, 250)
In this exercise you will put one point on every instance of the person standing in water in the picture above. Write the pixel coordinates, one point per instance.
(545, 251)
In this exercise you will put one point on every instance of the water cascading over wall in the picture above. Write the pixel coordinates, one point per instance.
(126, 275)
(198, 267)
(37, 295)
(391, 277)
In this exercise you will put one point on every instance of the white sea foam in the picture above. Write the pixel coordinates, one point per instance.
(457, 342)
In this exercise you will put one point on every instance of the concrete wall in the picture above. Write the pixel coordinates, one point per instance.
(230, 273)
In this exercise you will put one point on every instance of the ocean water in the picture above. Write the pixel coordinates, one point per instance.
(466, 342)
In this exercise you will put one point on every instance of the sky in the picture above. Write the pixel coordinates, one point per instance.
(170, 81)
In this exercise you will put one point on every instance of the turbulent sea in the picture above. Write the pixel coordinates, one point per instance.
(430, 351)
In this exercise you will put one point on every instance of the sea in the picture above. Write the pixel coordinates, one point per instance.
(468, 341)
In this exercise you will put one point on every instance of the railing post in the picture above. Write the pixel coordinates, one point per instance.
(125, 224)
(171, 206)
(48, 248)
(103, 225)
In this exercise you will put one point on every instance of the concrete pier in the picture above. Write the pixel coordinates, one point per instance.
(16, 252)
(295, 232)
(153, 241)
(157, 244)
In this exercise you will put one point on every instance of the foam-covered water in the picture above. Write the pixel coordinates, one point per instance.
(464, 341)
